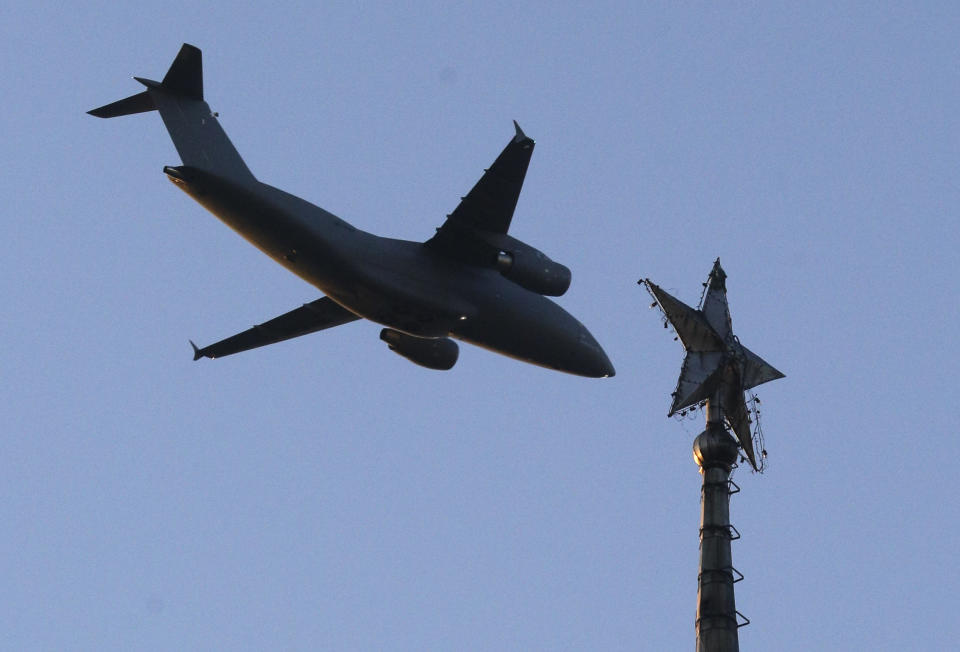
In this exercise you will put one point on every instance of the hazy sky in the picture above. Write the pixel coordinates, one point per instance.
(325, 493)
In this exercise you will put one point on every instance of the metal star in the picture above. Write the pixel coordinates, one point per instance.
(717, 368)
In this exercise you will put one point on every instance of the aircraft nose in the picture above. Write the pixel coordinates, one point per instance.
(608, 370)
(593, 359)
(602, 366)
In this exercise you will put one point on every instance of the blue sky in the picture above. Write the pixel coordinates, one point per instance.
(325, 493)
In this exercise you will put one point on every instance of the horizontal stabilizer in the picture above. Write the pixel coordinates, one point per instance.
(139, 103)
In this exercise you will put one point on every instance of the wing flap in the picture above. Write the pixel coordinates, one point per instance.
(309, 318)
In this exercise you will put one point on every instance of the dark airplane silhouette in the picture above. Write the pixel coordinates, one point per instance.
(470, 281)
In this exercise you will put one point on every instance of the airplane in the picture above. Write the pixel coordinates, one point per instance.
(470, 281)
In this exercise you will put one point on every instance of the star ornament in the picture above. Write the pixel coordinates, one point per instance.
(717, 367)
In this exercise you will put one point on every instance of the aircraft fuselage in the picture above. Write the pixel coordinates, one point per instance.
(398, 283)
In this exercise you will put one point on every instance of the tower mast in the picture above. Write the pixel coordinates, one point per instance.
(716, 371)
(715, 452)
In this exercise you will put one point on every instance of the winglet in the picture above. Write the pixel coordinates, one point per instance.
(197, 354)
(520, 137)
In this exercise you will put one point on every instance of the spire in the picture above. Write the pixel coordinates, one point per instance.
(716, 371)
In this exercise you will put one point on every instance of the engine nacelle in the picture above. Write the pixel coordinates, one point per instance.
(440, 353)
(532, 269)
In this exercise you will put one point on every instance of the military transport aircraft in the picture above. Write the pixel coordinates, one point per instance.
(470, 281)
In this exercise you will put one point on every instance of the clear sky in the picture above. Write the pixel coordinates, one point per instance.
(325, 493)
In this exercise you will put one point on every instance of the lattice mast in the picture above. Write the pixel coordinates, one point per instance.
(716, 371)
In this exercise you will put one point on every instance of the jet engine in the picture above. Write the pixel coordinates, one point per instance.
(440, 353)
(532, 269)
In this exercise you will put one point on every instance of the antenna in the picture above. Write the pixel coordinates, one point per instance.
(717, 369)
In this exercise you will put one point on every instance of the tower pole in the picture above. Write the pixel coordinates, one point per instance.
(719, 368)
(715, 452)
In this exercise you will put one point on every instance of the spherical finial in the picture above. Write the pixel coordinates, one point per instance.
(714, 447)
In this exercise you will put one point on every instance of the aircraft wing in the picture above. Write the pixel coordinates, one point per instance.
(308, 318)
(489, 205)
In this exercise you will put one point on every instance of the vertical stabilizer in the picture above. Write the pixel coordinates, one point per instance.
(185, 77)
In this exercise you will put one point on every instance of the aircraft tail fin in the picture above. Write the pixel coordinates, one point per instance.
(185, 76)
(193, 127)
